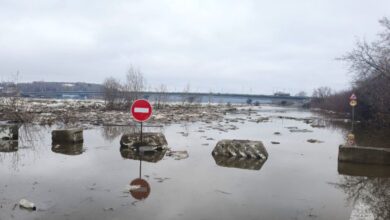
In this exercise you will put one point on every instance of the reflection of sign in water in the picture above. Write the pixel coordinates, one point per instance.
(139, 189)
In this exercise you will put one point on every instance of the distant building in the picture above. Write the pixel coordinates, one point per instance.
(281, 94)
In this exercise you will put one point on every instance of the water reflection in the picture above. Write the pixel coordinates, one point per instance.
(241, 163)
(373, 192)
(366, 170)
(25, 147)
(148, 156)
(139, 188)
(68, 149)
(112, 132)
(8, 146)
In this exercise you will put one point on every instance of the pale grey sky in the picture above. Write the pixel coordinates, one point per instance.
(214, 45)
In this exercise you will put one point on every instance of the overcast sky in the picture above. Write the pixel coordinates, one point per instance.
(220, 46)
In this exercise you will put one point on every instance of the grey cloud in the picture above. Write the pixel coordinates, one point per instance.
(229, 46)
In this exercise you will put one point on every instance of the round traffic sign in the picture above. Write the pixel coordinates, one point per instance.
(353, 103)
(141, 110)
(140, 189)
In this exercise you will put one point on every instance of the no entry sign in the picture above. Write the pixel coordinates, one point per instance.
(141, 110)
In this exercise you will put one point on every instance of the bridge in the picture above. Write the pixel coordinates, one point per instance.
(178, 96)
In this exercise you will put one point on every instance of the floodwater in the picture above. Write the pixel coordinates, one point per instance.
(300, 180)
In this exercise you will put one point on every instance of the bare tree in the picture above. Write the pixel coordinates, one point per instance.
(134, 85)
(301, 94)
(369, 63)
(122, 95)
(322, 92)
(12, 104)
(112, 92)
(185, 93)
(161, 96)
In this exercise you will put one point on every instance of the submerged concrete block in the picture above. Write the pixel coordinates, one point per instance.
(240, 149)
(9, 132)
(67, 136)
(132, 140)
(365, 155)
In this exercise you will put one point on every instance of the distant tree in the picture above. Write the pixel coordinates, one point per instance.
(161, 96)
(322, 92)
(301, 94)
(111, 92)
(134, 85)
(186, 93)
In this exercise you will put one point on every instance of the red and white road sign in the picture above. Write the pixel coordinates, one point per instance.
(353, 97)
(141, 110)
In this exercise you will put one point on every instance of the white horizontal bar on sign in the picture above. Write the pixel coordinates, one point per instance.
(141, 110)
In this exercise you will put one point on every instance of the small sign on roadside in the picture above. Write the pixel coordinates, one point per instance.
(353, 97)
(353, 103)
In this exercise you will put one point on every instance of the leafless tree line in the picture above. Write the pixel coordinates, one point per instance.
(120, 95)
(12, 106)
(369, 62)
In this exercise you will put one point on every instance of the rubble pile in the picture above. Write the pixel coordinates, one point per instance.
(94, 112)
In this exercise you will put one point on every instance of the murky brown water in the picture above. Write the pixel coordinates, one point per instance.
(300, 180)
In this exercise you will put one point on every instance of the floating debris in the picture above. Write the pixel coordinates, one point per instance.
(223, 192)
(300, 130)
(24, 203)
(177, 155)
(314, 141)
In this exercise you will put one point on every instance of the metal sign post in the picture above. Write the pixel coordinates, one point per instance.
(141, 132)
(353, 103)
